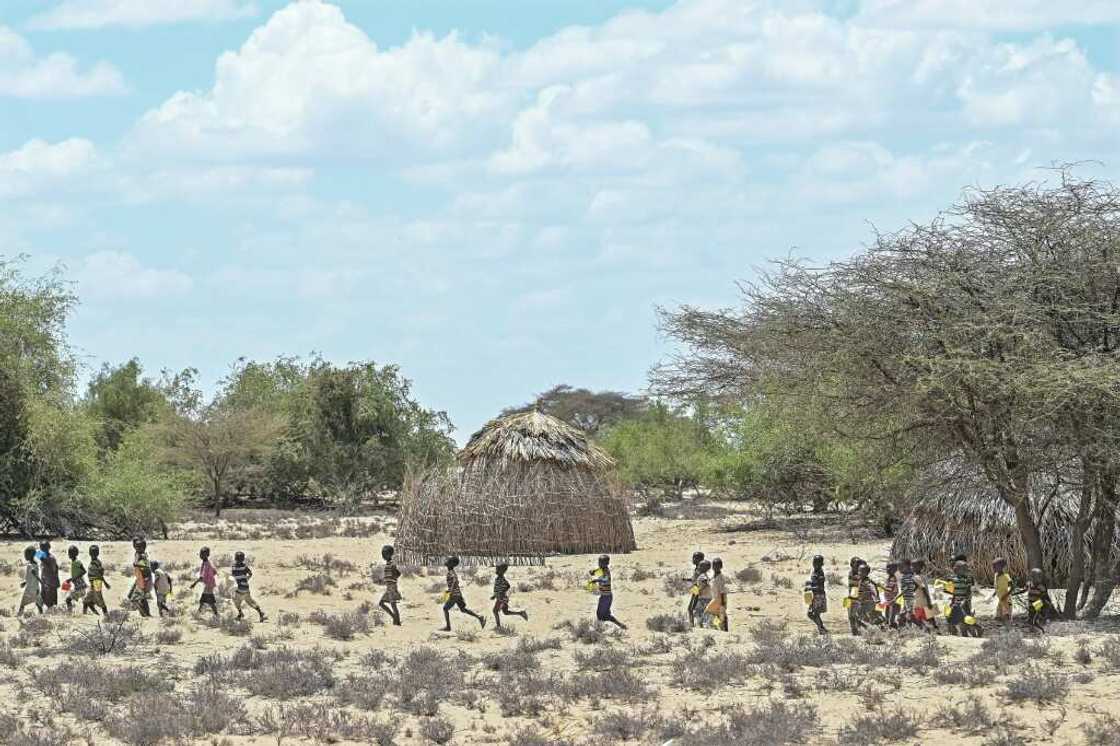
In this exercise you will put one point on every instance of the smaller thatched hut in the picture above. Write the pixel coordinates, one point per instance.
(965, 518)
(527, 486)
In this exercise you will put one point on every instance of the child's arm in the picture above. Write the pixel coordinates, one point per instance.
(170, 584)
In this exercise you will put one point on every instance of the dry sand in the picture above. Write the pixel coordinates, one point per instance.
(665, 544)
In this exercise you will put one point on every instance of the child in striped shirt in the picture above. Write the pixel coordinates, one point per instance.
(602, 578)
(392, 595)
(242, 596)
(501, 596)
(77, 578)
(95, 598)
(454, 596)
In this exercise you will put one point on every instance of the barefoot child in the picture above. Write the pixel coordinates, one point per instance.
(31, 585)
(141, 591)
(815, 587)
(242, 596)
(95, 599)
(77, 578)
(1001, 582)
(961, 589)
(924, 612)
(697, 558)
(48, 575)
(852, 600)
(907, 588)
(890, 595)
(868, 599)
(602, 580)
(161, 582)
(501, 596)
(454, 596)
(389, 576)
(718, 607)
(1038, 599)
(703, 592)
(208, 576)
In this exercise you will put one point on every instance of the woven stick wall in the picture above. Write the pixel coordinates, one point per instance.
(529, 486)
(982, 526)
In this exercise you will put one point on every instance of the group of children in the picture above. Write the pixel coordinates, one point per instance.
(87, 585)
(707, 603)
(906, 597)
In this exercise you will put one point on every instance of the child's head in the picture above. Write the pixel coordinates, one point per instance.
(501, 568)
(94, 551)
(892, 568)
(387, 552)
(139, 544)
(451, 562)
(239, 558)
(907, 565)
(704, 566)
(204, 553)
(818, 561)
(45, 546)
(155, 566)
(72, 552)
(959, 567)
(29, 554)
(717, 565)
(1036, 574)
(697, 558)
(999, 564)
(864, 570)
(855, 562)
(604, 561)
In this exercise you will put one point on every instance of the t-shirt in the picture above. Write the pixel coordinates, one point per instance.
(208, 575)
(162, 582)
(453, 589)
(718, 585)
(816, 581)
(77, 570)
(241, 574)
(1003, 585)
(603, 578)
(31, 576)
(501, 586)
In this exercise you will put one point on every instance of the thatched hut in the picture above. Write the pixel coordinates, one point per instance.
(966, 518)
(527, 486)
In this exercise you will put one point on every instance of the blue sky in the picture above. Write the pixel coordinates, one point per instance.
(496, 196)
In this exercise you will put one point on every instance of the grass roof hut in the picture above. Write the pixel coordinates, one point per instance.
(527, 485)
(966, 518)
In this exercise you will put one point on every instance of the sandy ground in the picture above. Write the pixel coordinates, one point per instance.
(640, 578)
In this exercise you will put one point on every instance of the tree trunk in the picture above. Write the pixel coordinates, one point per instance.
(1028, 530)
(1077, 541)
(1106, 575)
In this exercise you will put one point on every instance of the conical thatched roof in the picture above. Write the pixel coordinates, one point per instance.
(964, 516)
(529, 486)
(533, 437)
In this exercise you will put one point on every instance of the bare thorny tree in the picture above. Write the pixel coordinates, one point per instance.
(987, 339)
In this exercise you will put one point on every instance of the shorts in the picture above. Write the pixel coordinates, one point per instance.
(391, 595)
(819, 605)
(453, 602)
(244, 597)
(603, 610)
(957, 614)
(208, 598)
(501, 603)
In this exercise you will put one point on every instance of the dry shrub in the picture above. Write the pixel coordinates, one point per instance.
(749, 575)
(105, 683)
(235, 627)
(872, 727)
(1109, 653)
(598, 660)
(438, 730)
(529, 644)
(425, 678)
(342, 626)
(1032, 684)
(536, 737)
(1102, 731)
(965, 675)
(317, 722)
(318, 584)
(110, 637)
(668, 623)
(616, 683)
(526, 693)
(9, 658)
(366, 692)
(586, 631)
(515, 659)
(289, 674)
(710, 671)
(771, 724)
(169, 635)
(616, 727)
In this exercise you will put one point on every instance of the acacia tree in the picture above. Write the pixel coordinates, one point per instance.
(591, 411)
(220, 446)
(977, 336)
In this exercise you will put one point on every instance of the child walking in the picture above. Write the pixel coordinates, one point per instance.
(703, 592)
(853, 594)
(718, 606)
(77, 579)
(95, 599)
(693, 602)
(392, 596)
(32, 585)
(501, 596)
(890, 595)
(868, 599)
(1038, 599)
(242, 596)
(454, 596)
(1001, 582)
(141, 591)
(602, 580)
(924, 611)
(161, 581)
(816, 587)
(908, 589)
(208, 576)
(959, 604)
(48, 575)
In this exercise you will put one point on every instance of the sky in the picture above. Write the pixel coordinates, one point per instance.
(498, 196)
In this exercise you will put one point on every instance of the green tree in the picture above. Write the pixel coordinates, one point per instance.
(663, 450)
(591, 411)
(122, 399)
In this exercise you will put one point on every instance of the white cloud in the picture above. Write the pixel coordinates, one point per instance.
(38, 166)
(117, 276)
(23, 74)
(996, 15)
(310, 81)
(91, 14)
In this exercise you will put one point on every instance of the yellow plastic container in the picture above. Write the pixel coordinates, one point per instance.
(970, 620)
(808, 596)
(590, 586)
(900, 602)
(947, 609)
(848, 602)
(949, 586)
(445, 597)
(1037, 605)
(853, 591)
(97, 585)
(694, 590)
